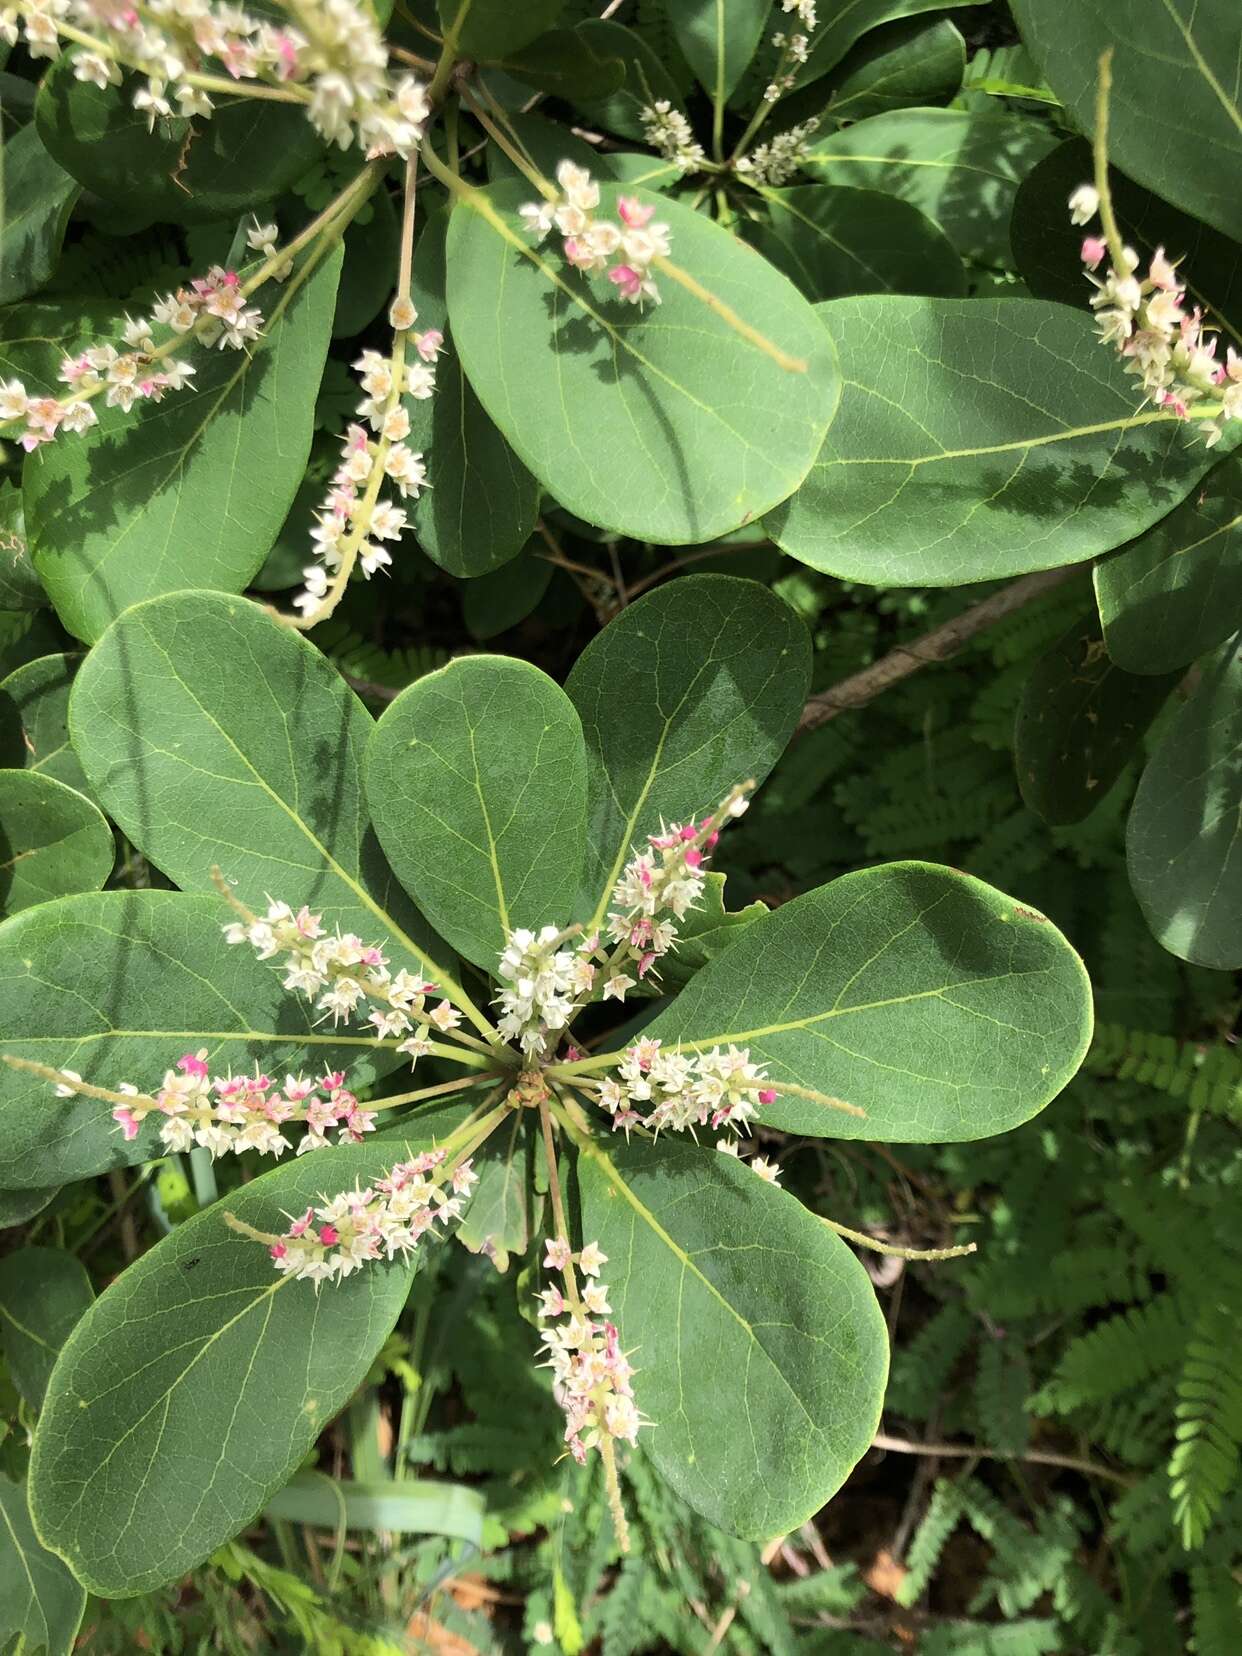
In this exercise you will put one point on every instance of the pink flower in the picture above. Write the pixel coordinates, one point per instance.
(1093, 250)
(430, 344)
(558, 1255)
(128, 1122)
(767, 1095)
(278, 1250)
(631, 212)
(622, 276)
(329, 1235)
(192, 1064)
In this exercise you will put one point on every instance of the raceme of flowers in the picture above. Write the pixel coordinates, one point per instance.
(590, 1373)
(212, 308)
(352, 516)
(794, 48)
(386, 1218)
(776, 162)
(233, 1113)
(684, 1090)
(340, 972)
(543, 984)
(1161, 341)
(330, 50)
(590, 242)
(667, 130)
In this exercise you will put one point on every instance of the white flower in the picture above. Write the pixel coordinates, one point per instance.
(1084, 204)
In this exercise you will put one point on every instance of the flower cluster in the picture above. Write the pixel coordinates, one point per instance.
(794, 48)
(544, 984)
(331, 51)
(353, 522)
(776, 162)
(684, 1090)
(213, 308)
(667, 130)
(344, 972)
(245, 1112)
(590, 1373)
(1162, 342)
(386, 1218)
(590, 242)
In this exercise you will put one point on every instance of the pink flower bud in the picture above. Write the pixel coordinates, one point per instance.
(767, 1095)
(631, 212)
(328, 1236)
(191, 1064)
(693, 859)
(127, 1121)
(1093, 250)
(622, 276)
(689, 832)
(710, 842)
(278, 1250)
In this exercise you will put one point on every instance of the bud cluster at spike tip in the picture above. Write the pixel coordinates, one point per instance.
(544, 982)
(212, 307)
(590, 242)
(590, 1373)
(331, 50)
(373, 450)
(1161, 341)
(389, 1217)
(667, 130)
(345, 973)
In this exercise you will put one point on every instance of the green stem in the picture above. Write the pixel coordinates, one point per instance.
(865, 1241)
(448, 53)
(1112, 230)
(441, 1090)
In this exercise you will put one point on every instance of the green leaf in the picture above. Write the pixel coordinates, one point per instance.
(371, 244)
(191, 490)
(1047, 247)
(20, 588)
(117, 985)
(1186, 822)
(833, 241)
(34, 337)
(482, 506)
(960, 168)
(693, 689)
(1175, 118)
(415, 1506)
(907, 63)
(489, 29)
(34, 720)
(1176, 592)
(16, 1206)
(217, 737)
(760, 1351)
(503, 1208)
(978, 438)
(198, 1381)
(38, 198)
(186, 172)
(702, 429)
(494, 603)
(1080, 722)
(476, 779)
(43, 1292)
(841, 25)
(40, 1602)
(53, 841)
(719, 38)
(569, 64)
(938, 1005)
(645, 78)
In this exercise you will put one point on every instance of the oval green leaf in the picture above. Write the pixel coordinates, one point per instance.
(693, 689)
(1175, 116)
(191, 490)
(476, 779)
(1176, 592)
(486, 29)
(703, 431)
(117, 985)
(939, 1006)
(40, 1602)
(909, 63)
(481, 508)
(185, 171)
(53, 840)
(1184, 835)
(199, 1380)
(1080, 722)
(38, 199)
(962, 168)
(217, 737)
(34, 720)
(43, 1293)
(717, 1275)
(978, 438)
(718, 38)
(832, 241)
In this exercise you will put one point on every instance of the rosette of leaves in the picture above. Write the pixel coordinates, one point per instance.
(489, 797)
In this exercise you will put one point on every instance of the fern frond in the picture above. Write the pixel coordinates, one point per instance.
(944, 1513)
(1115, 1356)
(1216, 1600)
(1205, 1462)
